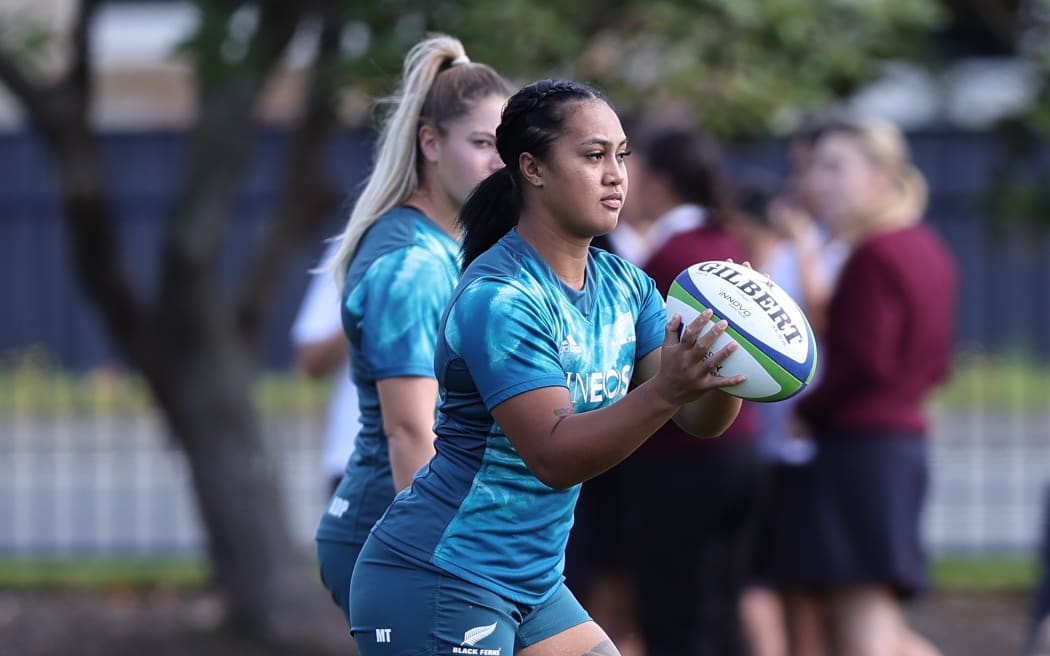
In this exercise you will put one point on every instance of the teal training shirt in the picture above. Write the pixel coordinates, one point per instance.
(512, 326)
(399, 281)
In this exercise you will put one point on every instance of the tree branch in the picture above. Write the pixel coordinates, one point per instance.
(1000, 20)
(60, 112)
(220, 151)
(95, 243)
(90, 217)
(78, 77)
(307, 196)
(51, 107)
(25, 90)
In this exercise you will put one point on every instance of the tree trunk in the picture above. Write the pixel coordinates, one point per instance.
(189, 350)
(196, 348)
(206, 395)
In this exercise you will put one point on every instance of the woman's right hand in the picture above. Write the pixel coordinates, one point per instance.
(688, 367)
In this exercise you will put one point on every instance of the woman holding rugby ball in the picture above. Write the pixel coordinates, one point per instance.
(556, 361)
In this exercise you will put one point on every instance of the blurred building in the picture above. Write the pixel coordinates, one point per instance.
(142, 81)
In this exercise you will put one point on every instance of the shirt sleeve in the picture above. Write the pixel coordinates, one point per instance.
(652, 317)
(401, 299)
(506, 337)
(318, 317)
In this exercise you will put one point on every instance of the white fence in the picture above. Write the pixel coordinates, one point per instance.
(115, 485)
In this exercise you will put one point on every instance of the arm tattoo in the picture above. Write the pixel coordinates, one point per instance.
(561, 413)
(605, 648)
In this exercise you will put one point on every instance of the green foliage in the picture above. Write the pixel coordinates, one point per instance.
(1018, 199)
(204, 47)
(739, 66)
(228, 47)
(1018, 195)
(28, 38)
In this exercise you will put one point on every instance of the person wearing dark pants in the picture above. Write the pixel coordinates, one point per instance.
(1039, 640)
(694, 505)
(691, 557)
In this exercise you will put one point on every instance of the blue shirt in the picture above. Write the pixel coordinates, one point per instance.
(397, 285)
(512, 326)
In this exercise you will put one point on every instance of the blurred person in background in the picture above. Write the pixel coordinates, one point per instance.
(854, 545)
(399, 260)
(1039, 640)
(689, 506)
(820, 254)
(785, 244)
(321, 352)
(795, 212)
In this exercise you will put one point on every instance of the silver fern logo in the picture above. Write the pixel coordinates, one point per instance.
(477, 634)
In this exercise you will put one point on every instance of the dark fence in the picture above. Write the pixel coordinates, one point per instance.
(112, 483)
(1005, 282)
(45, 305)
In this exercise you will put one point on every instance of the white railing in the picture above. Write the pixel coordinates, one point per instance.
(116, 485)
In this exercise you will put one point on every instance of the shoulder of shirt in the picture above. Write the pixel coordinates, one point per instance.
(392, 230)
(498, 262)
(608, 260)
(399, 227)
(502, 267)
(396, 230)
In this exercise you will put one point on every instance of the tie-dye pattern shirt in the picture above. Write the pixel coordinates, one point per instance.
(399, 281)
(512, 326)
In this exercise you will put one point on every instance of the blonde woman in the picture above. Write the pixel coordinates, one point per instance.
(398, 262)
(856, 546)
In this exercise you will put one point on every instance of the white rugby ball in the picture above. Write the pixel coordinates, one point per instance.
(777, 352)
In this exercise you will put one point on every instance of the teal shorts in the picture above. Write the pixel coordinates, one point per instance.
(336, 559)
(403, 607)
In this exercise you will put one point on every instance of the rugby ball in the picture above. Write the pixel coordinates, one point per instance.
(777, 352)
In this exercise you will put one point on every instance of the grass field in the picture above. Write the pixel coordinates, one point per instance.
(959, 574)
(1017, 382)
(31, 385)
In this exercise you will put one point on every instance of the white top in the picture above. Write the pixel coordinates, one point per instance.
(318, 319)
(637, 248)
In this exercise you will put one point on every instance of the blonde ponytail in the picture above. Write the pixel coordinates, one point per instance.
(395, 175)
(885, 145)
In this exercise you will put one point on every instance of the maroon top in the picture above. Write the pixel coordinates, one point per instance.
(679, 253)
(889, 337)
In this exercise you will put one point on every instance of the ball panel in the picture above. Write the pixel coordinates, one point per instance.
(784, 382)
(793, 349)
(766, 380)
(777, 348)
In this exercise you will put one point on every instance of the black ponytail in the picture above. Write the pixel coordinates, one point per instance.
(532, 119)
(490, 212)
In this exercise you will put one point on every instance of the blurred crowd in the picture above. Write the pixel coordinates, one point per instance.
(797, 531)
